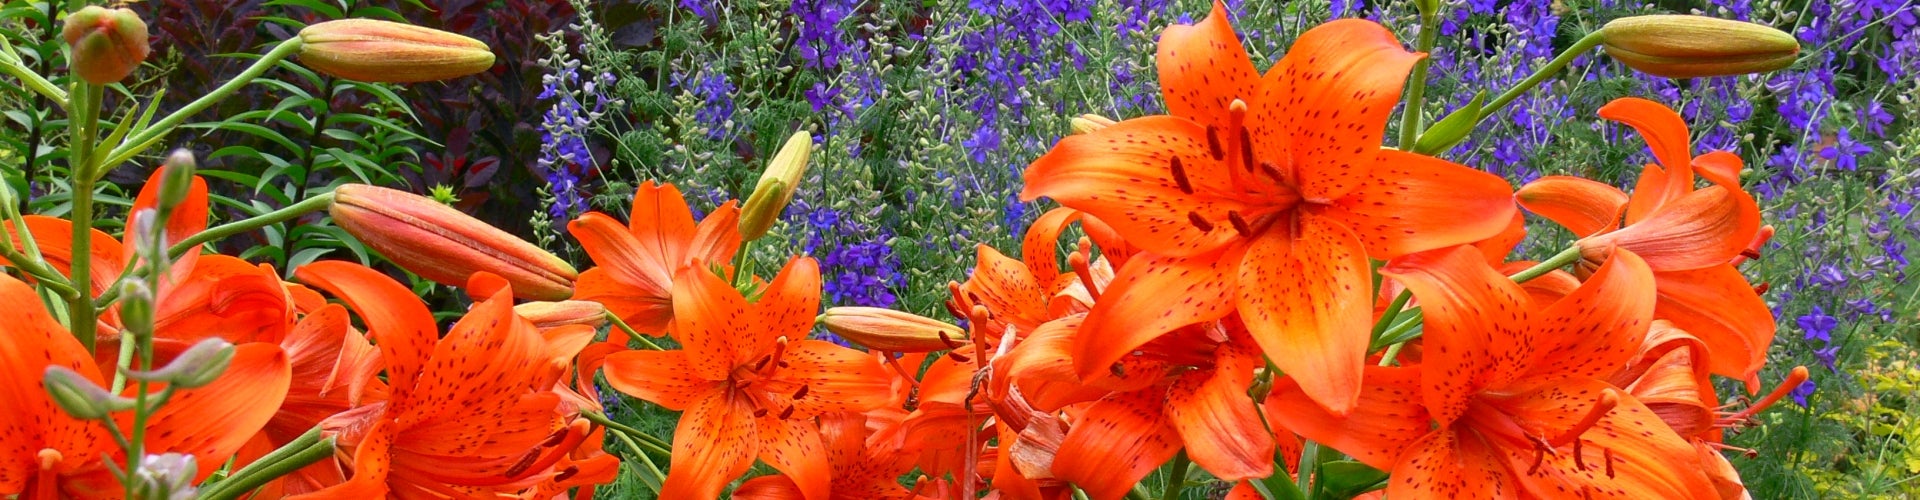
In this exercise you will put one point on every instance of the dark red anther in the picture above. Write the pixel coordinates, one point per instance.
(1199, 222)
(1179, 173)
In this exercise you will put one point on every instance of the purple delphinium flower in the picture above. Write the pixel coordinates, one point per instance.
(1817, 325)
(1801, 393)
(564, 155)
(716, 96)
(1846, 152)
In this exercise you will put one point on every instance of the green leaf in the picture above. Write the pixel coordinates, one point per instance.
(1452, 129)
(1347, 478)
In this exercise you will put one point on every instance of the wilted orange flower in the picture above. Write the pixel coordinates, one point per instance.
(487, 373)
(1265, 195)
(748, 380)
(635, 265)
(1689, 237)
(1507, 401)
(46, 454)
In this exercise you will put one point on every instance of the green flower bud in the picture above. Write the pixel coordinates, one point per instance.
(382, 51)
(81, 398)
(1088, 123)
(107, 44)
(166, 477)
(136, 304)
(196, 367)
(1679, 46)
(177, 181)
(776, 186)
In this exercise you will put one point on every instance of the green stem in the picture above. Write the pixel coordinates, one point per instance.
(126, 359)
(81, 306)
(142, 140)
(1559, 260)
(652, 469)
(1540, 75)
(301, 452)
(1177, 478)
(1417, 86)
(1393, 311)
(1137, 494)
(653, 444)
(47, 277)
(309, 205)
(632, 335)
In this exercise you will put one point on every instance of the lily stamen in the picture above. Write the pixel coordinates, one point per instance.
(1793, 381)
(1608, 399)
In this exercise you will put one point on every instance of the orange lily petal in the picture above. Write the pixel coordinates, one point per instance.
(647, 314)
(1497, 247)
(1388, 419)
(1124, 174)
(1305, 300)
(1217, 421)
(372, 462)
(1138, 307)
(662, 377)
(1042, 364)
(1720, 167)
(714, 443)
(1040, 247)
(1475, 323)
(1717, 305)
(773, 487)
(489, 353)
(708, 314)
(641, 266)
(1412, 203)
(213, 421)
(1646, 459)
(1119, 440)
(398, 322)
(662, 224)
(1203, 69)
(54, 237)
(30, 342)
(793, 447)
(1598, 328)
(1448, 464)
(1582, 206)
(1331, 96)
(786, 309)
(1704, 228)
(837, 378)
(718, 235)
(188, 218)
(1666, 134)
(1676, 391)
(1008, 288)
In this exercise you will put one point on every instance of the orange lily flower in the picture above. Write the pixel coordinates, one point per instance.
(1506, 402)
(47, 454)
(635, 265)
(861, 469)
(485, 374)
(1265, 195)
(748, 381)
(1187, 389)
(1691, 238)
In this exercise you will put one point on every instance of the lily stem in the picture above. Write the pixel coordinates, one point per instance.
(657, 476)
(80, 168)
(653, 444)
(1177, 478)
(300, 452)
(147, 136)
(1566, 57)
(631, 335)
(1417, 84)
(306, 206)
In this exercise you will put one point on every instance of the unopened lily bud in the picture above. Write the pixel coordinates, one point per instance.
(166, 476)
(177, 179)
(445, 245)
(1682, 46)
(545, 315)
(776, 186)
(136, 306)
(889, 330)
(80, 397)
(383, 51)
(1088, 123)
(107, 44)
(196, 367)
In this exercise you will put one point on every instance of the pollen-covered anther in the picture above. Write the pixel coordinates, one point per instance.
(1179, 174)
(1199, 222)
(1240, 223)
(800, 393)
(566, 473)
(787, 413)
(1761, 289)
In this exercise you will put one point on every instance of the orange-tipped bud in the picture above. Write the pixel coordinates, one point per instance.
(107, 44)
(889, 330)
(1088, 123)
(1681, 46)
(546, 315)
(381, 51)
(444, 245)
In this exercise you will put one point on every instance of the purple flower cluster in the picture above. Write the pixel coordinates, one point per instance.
(716, 99)
(564, 156)
(857, 263)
